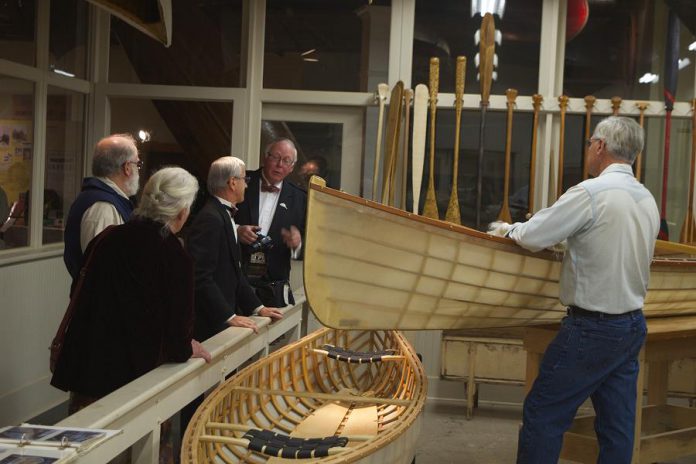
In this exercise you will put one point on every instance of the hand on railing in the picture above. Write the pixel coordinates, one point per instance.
(199, 351)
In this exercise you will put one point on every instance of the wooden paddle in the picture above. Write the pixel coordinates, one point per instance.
(420, 122)
(536, 102)
(382, 92)
(504, 214)
(391, 145)
(589, 104)
(430, 206)
(563, 103)
(408, 96)
(453, 214)
(615, 105)
(642, 106)
(688, 230)
(486, 56)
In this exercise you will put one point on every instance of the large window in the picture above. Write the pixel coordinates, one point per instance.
(445, 29)
(17, 31)
(205, 49)
(63, 161)
(183, 133)
(325, 44)
(16, 154)
(68, 38)
(620, 50)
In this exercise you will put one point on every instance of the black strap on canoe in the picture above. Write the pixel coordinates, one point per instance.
(358, 357)
(283, 446)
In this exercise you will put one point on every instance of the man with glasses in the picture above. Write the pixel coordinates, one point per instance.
(275, 208)
(610, 223)
(223, 295)
(105, 198)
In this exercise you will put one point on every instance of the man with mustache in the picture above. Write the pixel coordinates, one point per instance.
(104, 199)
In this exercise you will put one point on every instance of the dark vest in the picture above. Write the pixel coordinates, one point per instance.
(93, 191)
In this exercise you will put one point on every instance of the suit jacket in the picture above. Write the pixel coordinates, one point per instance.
(134, 310)
(293, 212)
(221, 287)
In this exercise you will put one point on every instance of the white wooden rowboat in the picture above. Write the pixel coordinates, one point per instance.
(301, 392)
(369, 266)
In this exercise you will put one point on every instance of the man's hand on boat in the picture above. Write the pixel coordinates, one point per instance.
(199, 351)
(499, 228)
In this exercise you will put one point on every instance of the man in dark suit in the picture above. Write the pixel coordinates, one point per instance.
(223, 296)
(275, 208)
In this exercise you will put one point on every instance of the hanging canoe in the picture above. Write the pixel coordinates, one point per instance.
(151, 17)
(369, 266)
(331, 397)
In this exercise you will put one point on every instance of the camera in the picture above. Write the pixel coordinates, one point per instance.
(262, 243)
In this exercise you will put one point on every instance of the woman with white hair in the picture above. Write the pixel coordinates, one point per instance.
(134, 307)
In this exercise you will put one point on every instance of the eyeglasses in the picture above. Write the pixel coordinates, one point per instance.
(589, 141)
(284, 161)
(247, 179)
(138, 163)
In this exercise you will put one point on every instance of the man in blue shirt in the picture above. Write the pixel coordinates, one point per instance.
(610, 224)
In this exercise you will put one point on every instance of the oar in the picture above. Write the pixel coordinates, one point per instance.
(671, 68)
(504, 214)
(563, 103)
(420, 121)
(486, 55)
(615, 105)
(453, 214)
(408, 96)
(642, 106)
(391, 145)
(536, 102)
(688, 231)
(382, 92)
(430, 206)
(589, 104)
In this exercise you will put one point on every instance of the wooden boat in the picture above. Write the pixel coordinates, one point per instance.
(373, 408)
(369, 266)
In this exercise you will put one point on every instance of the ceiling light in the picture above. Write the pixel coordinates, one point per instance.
(312, 50)
(692, 46)
(488, 6)
(683, 63)
(143, 135)
(649, 78)
(313, 60)
(63, 73)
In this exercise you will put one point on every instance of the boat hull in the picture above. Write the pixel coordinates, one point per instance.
(299, 391)
(369, 266)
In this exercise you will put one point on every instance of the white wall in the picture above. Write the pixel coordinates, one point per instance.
(33, 299)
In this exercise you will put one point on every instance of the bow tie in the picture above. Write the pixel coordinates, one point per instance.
(231, 209)
(269, 188)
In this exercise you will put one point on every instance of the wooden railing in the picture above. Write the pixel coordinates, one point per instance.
(139, 407)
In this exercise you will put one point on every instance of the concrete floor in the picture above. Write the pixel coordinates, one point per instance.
(490, 437)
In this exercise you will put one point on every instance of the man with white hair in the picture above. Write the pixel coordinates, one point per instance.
(104, 199)
(223, 295)
(610, 223)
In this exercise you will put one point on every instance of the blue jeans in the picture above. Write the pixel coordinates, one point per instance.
(589, 358)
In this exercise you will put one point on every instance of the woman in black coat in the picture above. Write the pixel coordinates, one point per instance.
(134, 311)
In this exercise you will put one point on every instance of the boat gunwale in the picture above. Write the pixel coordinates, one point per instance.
(661, 262)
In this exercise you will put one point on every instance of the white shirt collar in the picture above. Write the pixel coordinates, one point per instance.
(113, 185)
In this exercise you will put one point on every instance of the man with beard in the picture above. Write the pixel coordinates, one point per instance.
(104, 199)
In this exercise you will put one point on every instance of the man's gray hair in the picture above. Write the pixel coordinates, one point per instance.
(282, 140)
(221, 170)
(166, 193)
(111, 153)
(624, 138)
